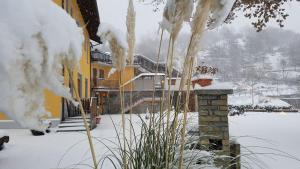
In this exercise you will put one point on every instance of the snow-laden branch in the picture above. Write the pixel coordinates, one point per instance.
(37, 39)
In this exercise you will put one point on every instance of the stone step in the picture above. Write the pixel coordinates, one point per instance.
(75, 121)
(64, 125)
(76, 118)
(72, 124)
(71, 129)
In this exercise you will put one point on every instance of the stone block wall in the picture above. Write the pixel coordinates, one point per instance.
(213, 111)
(235, 151)
(213, 119)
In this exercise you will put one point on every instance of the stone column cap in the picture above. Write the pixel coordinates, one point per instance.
(213, 91)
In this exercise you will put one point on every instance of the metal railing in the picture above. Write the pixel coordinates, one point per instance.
(101, 83)
(90, 107)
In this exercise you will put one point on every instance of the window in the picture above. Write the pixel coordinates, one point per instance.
(67, 6)
(94, 73)
(71, 12)
(86, 88)
(101, 74)
(70, 84)
(94, 76)
(79, 85)
(87, 51)
(63, 71)
(173, 82)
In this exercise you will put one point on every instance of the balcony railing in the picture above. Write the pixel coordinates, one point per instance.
(142, 82)
(101, 83)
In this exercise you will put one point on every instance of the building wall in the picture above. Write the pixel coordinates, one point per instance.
(113, 80)
(53, 103)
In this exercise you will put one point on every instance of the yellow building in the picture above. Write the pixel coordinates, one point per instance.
(105, 76)
(106, 80)
(85, 12)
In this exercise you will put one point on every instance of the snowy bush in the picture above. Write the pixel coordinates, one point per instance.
(37, 38)
(152, 144)
(241, 109)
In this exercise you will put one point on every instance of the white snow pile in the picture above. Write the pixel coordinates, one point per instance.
(107, 32)
(37, 37)
(117, 44)
(3, 133)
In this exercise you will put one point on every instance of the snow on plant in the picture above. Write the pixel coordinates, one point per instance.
(213, 11)
(219, 12)
(205, 8)
(118, 50)
(175, 13)
(37, 39)
(111, 72)
(117, 44)
(149, 149)
(130, 22)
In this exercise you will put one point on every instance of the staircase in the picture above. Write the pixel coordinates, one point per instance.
(139, 102)
(72, 124)
(75, 123)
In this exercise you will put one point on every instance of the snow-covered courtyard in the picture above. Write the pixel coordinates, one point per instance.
(270, 136)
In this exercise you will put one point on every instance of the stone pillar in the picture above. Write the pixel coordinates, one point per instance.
(213, 121)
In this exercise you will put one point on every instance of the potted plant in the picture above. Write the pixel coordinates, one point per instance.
(204, 76)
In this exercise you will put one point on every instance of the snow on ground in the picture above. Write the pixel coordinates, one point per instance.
(274, 90)
(54, 150)
(3, 133)
(277, 131)
(259, 100)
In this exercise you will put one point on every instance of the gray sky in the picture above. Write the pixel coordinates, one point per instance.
(114, 12)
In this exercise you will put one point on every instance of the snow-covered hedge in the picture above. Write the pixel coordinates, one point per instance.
(37, 38)
(241, 109)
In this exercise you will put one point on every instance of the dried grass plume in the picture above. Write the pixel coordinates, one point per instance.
(130, 23)
(175, 13)
(116, 44)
